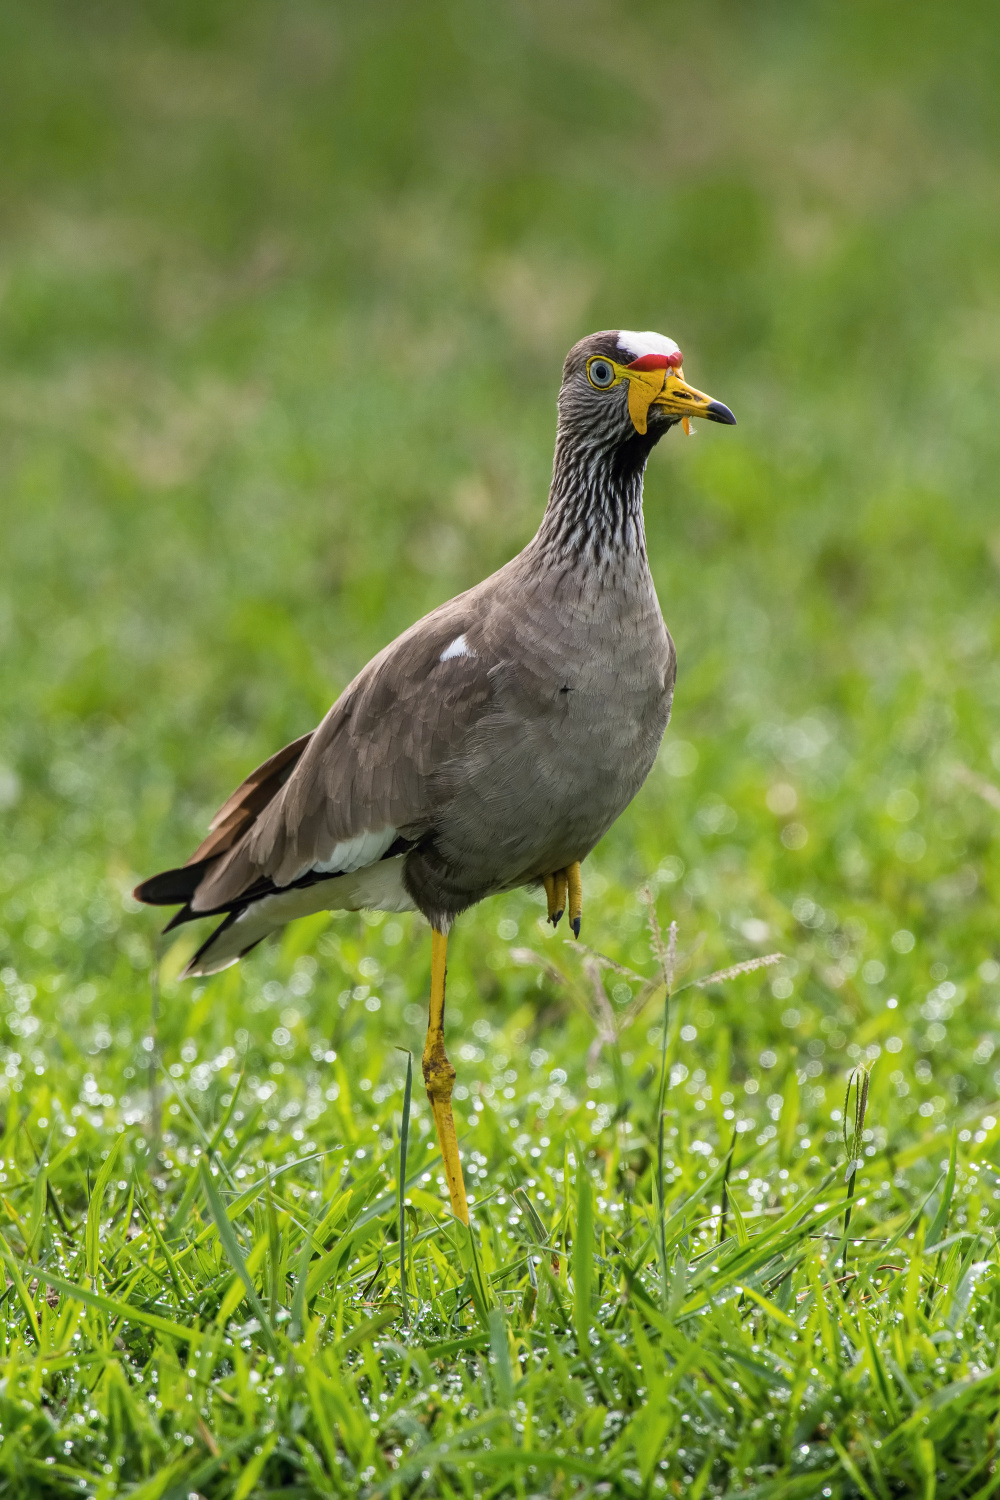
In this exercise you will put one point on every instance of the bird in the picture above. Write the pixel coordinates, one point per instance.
(492, 744)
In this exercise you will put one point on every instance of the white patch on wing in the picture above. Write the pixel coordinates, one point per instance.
(458, 647)
(353, 854)
(638, 344)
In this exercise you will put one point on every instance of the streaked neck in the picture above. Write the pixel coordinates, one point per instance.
(593, 518)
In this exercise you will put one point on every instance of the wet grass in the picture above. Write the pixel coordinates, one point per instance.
(236, 1295)
(285, 296)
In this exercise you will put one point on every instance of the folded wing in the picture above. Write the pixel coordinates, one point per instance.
(360, 789)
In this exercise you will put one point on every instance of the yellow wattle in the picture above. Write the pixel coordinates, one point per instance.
(643, 388)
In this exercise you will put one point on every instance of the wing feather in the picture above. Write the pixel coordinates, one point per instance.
(250, 798)
(372, 770)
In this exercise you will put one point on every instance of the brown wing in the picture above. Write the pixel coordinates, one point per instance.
(367, 775)
(234, 817)
(249, 799)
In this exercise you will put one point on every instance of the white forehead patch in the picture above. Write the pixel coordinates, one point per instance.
(638, 344)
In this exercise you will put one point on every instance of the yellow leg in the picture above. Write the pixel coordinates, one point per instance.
(439, 1078)
(575, 884)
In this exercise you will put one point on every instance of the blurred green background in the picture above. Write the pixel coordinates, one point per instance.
(285, 291)
(284, 295)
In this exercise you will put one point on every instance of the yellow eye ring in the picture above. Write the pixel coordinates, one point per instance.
(601, 372)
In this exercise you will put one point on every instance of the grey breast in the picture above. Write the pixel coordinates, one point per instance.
(581, 685)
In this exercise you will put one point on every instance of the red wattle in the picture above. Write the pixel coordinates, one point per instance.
(657, 362)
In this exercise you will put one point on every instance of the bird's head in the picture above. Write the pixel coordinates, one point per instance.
(619, 384)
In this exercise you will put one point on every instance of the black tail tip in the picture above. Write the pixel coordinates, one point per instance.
(170, 887)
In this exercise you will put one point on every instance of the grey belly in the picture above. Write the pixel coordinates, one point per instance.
(536, 790)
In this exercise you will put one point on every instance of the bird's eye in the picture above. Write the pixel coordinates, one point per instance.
(601, 373)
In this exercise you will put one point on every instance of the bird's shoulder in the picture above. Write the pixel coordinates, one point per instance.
(403, 716)
(435, 673)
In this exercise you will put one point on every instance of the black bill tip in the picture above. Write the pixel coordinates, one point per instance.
(718, 413)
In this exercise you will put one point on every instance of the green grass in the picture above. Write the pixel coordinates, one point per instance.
(284, 293)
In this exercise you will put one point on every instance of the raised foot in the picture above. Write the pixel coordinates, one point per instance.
(564, 888)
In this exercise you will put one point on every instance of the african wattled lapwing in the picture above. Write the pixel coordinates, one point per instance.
(494, 742)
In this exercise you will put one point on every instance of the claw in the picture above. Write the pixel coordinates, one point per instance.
(555, 895)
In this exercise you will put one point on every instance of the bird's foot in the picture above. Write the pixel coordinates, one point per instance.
(439, 1078)
(563, 888)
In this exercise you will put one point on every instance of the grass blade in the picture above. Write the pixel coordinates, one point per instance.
(503, 1377)
(230, 1244)
(661, 1104)
(583, 1258)
(92, 1239)
(109, 1305)
(936, 1232)
(789, 1118)
(21, 1289)
(404, 1136)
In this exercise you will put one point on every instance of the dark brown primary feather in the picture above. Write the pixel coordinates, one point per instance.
(250, 798)
(171, 886)
(232, 820)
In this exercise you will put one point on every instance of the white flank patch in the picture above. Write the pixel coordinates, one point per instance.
(458, 647)
(354, 854)
(378, 888)
(638, 344)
